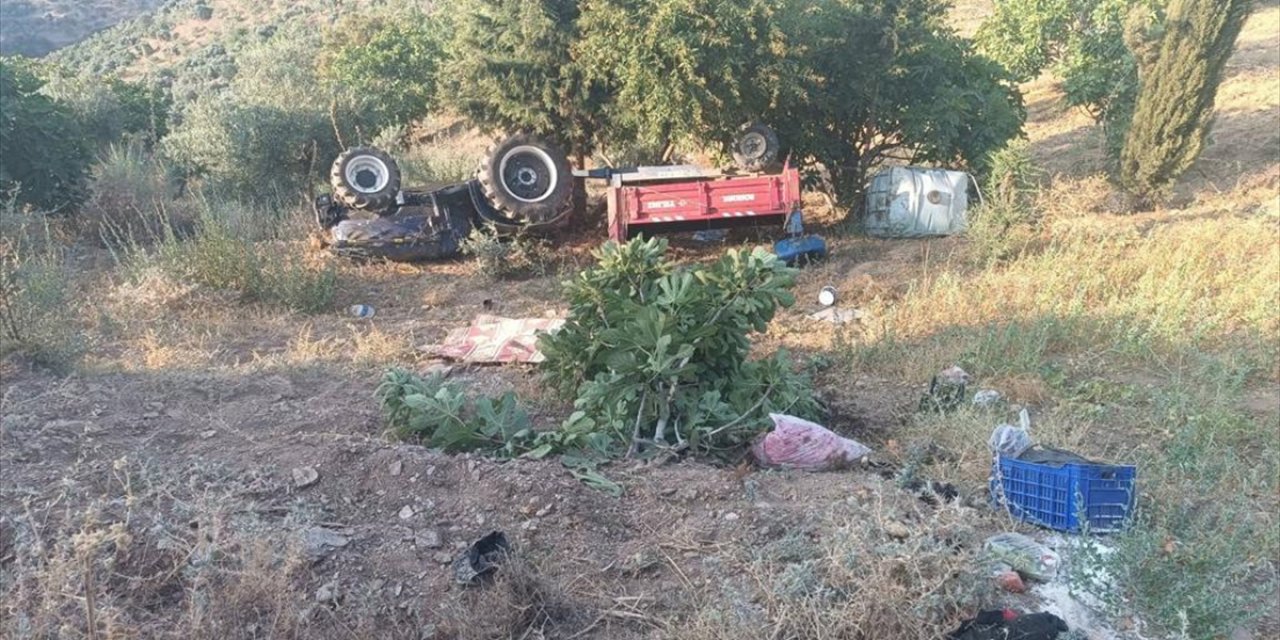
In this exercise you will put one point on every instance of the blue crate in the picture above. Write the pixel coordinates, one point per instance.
(1055, 496)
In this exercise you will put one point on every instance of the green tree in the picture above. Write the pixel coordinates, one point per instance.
(1082, 41)
(847, 83)
(684, 70)
(43, 156)
(387, 62)
(889, 80)
(511, 66)
(1179, 83)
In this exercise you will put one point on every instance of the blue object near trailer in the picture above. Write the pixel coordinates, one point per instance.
(798, 249)
(1059, 495)
(801, 250)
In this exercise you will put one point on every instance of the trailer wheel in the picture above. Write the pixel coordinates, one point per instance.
(755, 148)
(527, 179)
(365, 178)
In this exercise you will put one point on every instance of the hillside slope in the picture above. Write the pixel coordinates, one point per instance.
(36, 27)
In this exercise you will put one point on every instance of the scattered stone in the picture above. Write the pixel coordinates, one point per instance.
(407, 512)
(305, 476)
(399, 588)
(318, 541)
(897, 530)
(208, 434)
(377, 584)
(443, 557)
(542, 513)
(731, 516)
(397, 467)
(327, 593)
(429, 539)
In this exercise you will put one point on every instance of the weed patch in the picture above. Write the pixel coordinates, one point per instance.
(38, 309)
(497, 257)
(226, 253)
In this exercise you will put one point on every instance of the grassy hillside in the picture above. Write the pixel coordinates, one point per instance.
(187, 34)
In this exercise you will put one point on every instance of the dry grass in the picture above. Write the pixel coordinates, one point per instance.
(148, 558)
(851, 575)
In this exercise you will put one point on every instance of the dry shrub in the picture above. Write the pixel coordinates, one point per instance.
(131, 200)
(518, 602)
(152, 556)
(1067, 198)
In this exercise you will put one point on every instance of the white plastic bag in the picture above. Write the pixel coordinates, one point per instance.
(1010, 441)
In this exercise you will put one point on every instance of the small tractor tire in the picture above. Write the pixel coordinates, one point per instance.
(527, 179)
(365, 178)
(755, 148)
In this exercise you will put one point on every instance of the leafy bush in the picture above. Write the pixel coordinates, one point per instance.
(43, 157)
(442, 416)
(110, 108)
(656, 354)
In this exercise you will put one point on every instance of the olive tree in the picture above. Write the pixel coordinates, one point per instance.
(884, 79)
(276, 127)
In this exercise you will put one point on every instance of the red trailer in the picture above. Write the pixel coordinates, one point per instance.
(655, 200)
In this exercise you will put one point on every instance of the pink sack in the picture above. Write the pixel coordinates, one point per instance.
(800, 444)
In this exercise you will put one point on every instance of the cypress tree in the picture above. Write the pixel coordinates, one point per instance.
(1179, 76)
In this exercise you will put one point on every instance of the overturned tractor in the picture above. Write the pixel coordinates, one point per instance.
(523, 181)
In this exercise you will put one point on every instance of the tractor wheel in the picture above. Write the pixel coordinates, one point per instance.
(365, 178)
(527, 179)
(755, 148)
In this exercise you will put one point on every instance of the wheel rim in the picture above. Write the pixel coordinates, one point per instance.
(753, 145)
(528, 174)
(367, 174)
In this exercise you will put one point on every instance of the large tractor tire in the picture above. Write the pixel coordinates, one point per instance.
(527, 180)
(755, 148)
(365, 178)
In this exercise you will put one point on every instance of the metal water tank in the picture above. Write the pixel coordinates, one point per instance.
(909, 202)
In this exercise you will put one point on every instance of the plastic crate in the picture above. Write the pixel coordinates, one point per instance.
(1057, 496)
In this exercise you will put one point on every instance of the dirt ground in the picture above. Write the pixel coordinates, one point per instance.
(234, 433)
